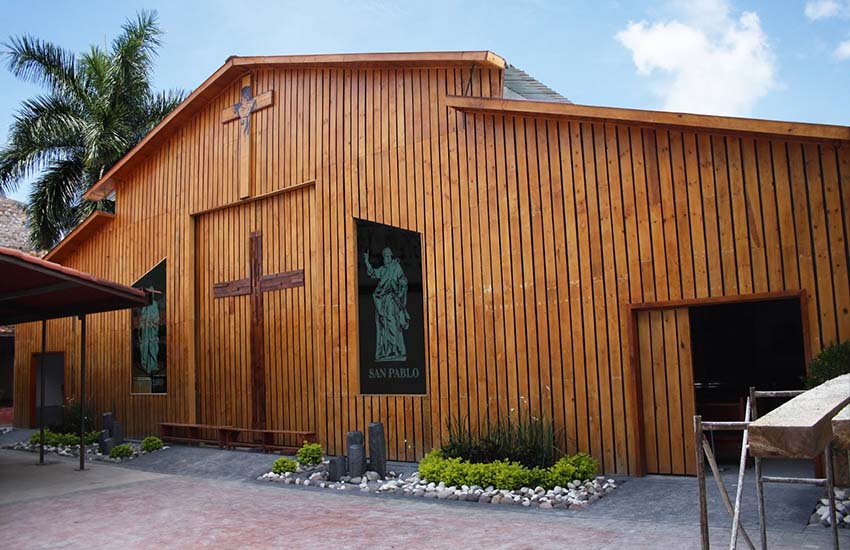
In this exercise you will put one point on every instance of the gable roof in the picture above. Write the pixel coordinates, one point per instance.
(235, 66)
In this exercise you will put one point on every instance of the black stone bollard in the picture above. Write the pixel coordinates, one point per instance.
(105, 442)
(352, 439)
(108, 419)
(378, 449)
(356, 460)
(336, 468)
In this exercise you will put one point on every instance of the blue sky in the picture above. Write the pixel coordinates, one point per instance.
(782, 59)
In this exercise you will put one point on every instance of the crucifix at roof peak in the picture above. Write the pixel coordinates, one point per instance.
(242, 111)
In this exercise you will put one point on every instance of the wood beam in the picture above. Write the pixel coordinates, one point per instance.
(801, 427)
(841, 428)
(36, 291)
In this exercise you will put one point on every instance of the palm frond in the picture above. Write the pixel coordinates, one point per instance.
(43, 63)
(99, 106)
(48, 214)
(45, 129)
(157, 107)
(132, 58)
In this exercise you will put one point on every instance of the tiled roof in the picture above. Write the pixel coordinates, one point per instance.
(520, 85)
(13, 225)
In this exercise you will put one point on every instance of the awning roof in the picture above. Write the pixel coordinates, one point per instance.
(35, 290)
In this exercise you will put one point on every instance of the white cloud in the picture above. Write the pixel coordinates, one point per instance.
(708, 62)
(842, 52)
(822, 9)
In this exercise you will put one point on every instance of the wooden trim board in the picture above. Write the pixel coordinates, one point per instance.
(787, 130)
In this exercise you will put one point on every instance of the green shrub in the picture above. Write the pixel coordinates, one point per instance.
(151, 444)
(309, 454)
(283, 465)
(571, 468)
(519, 438)
(121, 451)
(437, 467)
(66, 439)
(832, 361)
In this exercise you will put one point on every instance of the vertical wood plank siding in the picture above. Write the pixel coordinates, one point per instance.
(536, 235)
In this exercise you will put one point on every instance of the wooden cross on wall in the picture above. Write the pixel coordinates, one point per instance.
(243, 111)
(255, 285)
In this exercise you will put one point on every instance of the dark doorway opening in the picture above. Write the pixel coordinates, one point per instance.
(7, 367)
(739, 345)
(54, 388)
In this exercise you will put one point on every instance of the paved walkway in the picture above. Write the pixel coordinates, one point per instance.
(219, 505)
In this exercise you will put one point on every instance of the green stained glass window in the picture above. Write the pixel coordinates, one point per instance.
(149, 335)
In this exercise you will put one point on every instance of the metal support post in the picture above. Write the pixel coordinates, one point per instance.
(41, 392)
(739, 490)
(830, 488)
(759, 483)
(703, 505)
(724, 494)
(82, 392)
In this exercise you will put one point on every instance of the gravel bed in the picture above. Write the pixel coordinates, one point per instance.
(575, 496)
(92, 450)
(842, 510)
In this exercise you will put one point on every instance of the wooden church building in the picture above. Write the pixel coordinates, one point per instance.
(417, 237)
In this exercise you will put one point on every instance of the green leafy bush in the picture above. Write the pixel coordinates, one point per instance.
(283, 465)
(121, 451)
(55, 439)
(519, 438)
(437, 467)
(571, 468)
(832, 361)
(309, 454)
(151, 444)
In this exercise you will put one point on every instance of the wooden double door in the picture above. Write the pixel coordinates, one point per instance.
(255, 313)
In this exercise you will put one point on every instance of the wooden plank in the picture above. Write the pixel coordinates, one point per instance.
(683, 326)
(673, 368)
(239, 287)
(650, 443)
(710, 215)
(824, 296)
(839, 253)
(802, 426)
(752, 200)
(772, 237)
(740, 212)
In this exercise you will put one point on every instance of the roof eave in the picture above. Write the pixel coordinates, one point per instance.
(737, 125)
(66, 246)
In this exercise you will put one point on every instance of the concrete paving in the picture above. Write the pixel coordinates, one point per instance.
(219, 504)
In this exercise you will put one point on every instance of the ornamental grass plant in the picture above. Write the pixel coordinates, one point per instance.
(521, 438)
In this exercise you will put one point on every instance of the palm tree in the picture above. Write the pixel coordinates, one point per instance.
(98, 105)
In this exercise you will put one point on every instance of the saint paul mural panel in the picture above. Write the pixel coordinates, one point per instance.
(389, 279)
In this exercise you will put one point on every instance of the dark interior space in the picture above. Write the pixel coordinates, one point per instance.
(7, 367)
(736, 346)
